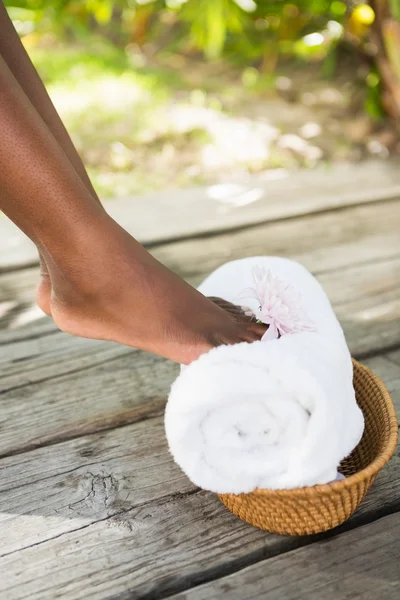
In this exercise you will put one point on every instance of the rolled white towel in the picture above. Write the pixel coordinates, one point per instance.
(278, 413)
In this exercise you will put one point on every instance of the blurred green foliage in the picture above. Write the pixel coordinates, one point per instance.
(256, 33)
(106, 63)
(242, 30)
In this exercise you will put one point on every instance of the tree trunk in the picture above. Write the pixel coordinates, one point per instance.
(385, 37)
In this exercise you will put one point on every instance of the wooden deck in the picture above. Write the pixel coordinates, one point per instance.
(91, 504)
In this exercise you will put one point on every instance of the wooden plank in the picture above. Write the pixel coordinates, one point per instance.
(389, 372)
(140, 447)
(176, 536)
(110, 513)
(363, 563)
(365, 297)
(271, 196)
(367, 302)
(47, 492)
(394, 357)
(144, 553)
(76, 392)
(114, 385)
(113, 392)
(58, 405)
(17, 299)
(16, 249)
(322, 242)
(29, 331)
(67, 494)
(370, 303)
(20, 318)
(36, 359)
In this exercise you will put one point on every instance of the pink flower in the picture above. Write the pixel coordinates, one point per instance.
(280, 305)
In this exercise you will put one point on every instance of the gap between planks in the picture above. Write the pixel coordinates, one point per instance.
(370, 288)
(118, 494)
(179, 501)
(339, 568)
(102, 399)
(206, 235)
(324, 244)
(124, 499)
(191, 212)
(98, 397)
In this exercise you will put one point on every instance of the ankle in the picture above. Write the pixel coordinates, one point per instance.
(86, 262)
(74, 238)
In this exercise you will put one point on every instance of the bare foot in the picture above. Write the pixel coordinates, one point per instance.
(114, 290)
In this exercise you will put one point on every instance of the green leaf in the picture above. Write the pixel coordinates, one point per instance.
(211, 21)
(373, 103)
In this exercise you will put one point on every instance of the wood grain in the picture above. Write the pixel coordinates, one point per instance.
(388, 369)
(323, 242)
(174, 214)
(44, 357)
(326, 242)
(114, 385)
(110, 513)
(106, 395)
(56, 387)
(76, 388)
(92, 505)
(50, 491)
(363, 563)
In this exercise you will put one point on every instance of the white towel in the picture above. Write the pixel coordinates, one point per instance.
(273, 414)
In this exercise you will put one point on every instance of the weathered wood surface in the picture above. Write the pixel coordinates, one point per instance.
(120, 487)
(131, 456)
(70, 393)
(91, 504)
(112, 512)
(57, 387)
(354, 237)
(358, 564)
(192, 212)
(101, 396)
(115, 392)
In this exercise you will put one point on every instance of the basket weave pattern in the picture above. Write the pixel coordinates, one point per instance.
(309, 510)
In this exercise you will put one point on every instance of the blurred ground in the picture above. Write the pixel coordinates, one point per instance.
(143, 124)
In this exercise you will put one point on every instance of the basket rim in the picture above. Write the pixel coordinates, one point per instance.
(369, 471)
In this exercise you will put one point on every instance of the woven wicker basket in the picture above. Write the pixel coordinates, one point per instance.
(304, 511)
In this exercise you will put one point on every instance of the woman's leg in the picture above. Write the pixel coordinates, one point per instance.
(104, 284)
(19, 63)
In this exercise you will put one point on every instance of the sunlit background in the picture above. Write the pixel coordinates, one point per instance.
(167, 93)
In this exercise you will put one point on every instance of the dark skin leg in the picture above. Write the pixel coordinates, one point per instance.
(104, 284)
(19, 63)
